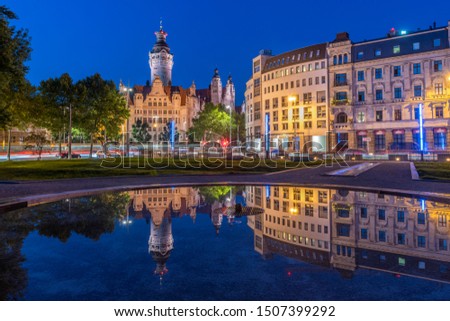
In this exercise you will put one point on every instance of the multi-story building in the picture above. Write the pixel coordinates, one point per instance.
(286, 100)
(159, 102)
(392, 93)
(347, 230)
(387, 94)
(296, 221)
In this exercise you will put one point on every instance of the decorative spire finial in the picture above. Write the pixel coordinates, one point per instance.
(160, 24)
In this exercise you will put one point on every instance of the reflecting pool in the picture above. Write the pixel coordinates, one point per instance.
(228, 243)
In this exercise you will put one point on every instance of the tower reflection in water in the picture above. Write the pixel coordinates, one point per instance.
(160, 206)
(346, 230)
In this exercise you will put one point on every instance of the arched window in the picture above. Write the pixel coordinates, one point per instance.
(334, 60)
(341, 118)
(340, 59)
(345, 58)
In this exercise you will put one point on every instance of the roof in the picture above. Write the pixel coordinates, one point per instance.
(384, 47)
(306, 54)
(169, 90)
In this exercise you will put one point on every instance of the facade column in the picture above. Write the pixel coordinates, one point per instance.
(352, 139)
(389, 138)
(371, 142)
(429, 138)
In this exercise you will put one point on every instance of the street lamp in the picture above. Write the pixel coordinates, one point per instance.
(127, 91)
(229, 107)
(293, 99)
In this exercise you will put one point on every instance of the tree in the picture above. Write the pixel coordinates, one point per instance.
(211, 123)
(166, 135)
(102, 107)
(140, 132)
(36, 140)
(57, 96)
(15, 51)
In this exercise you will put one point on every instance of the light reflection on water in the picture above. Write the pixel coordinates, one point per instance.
(228, 243)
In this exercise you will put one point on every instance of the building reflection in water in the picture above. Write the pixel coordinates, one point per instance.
(347, 230)
(159, 206)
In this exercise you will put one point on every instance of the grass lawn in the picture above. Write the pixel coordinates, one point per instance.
(437, 171)
(77, 168)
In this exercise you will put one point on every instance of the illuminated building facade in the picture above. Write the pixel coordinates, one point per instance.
(347, 230)
(391, 94)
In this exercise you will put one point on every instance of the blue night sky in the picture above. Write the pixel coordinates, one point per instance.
(113, 37)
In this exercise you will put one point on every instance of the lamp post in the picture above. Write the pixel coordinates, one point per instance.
(127, 90)
(293, 99)
(229, 107)
(69, 154)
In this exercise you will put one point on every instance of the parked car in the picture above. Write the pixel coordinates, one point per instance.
(66, 154)
(355, 152)
(404, 147)
(100, 154)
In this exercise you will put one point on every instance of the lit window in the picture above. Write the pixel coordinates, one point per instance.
(416, 46)
(437, 42)
(396, 49)
(378, 52)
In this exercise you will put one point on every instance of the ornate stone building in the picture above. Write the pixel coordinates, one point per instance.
(382, 89)
(159, 102)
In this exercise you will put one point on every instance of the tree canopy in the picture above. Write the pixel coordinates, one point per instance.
(15, 51)
(212, 123)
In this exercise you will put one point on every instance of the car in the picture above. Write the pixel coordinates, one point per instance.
(404, 147)
(100, 154)
(66, 154)
(355, 152)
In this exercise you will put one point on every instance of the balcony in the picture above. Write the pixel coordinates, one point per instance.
(418, 98)
(398, 100)
(340, 83)
(339, 102)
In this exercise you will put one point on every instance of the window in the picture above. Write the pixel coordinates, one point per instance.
(417, 69)
(442, 220)
(323, 79)
(343, 212)
(401, 238)
(309, 195)
(398, 92)
(421, 218)
(380, 142)
(341, 118)
(364, 234)
(382, 214)
(334, 60)
(418, 91)
(360, 55)
(341, 95)
(438, 88)
(442, 243)
(421, 241)
(379, 94)
(363, 212)
(416, 45)
(397, 71)
(440, 140)
(401, 216)
(437, 65)
(416, 112)
(436, 42)
(361, 96)
(377, 52)
(321, 111)
(345, 58)
(382, 236)
(379, 115)
(378, 73)
(340, 79)
(401, 261)
(343, 230)
(360, 75)
(439, 112)
(361, 117)
(396, 49)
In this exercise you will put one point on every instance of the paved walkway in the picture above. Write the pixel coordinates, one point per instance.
(392, 176)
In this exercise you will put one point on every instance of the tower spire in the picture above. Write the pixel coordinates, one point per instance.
(160, 24)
